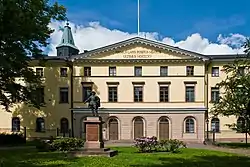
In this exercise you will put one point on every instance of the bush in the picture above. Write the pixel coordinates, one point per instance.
(12, 139)
(67, 144)
(146, 144)
(171, 145)
(150, 144)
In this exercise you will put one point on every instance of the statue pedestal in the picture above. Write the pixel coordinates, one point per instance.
(93, 127)
(94, 144)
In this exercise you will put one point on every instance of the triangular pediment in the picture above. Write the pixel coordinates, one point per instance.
(139, 48)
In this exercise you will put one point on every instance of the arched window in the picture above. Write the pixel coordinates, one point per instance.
(189, 125)
(64, 125)
(15, 124)
(215, 125)
(40, 125)
(240, 124)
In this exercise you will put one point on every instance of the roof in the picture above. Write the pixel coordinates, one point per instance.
(139, 40)
(67, 38)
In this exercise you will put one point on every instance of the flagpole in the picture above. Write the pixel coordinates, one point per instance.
(138, 17)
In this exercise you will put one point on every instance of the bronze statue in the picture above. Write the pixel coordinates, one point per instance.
(94, 103)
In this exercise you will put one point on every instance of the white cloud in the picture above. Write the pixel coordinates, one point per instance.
(94, 35)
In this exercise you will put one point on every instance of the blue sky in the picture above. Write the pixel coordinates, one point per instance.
(173, 18)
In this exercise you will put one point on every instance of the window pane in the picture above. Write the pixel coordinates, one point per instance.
(15, 124)
(189, 126)
(190, 96)
(40, 125)
(164, 94)
(112, 94)
(163, 71)
(138, 94)
(215, 94)
(39, 71)
(112, 71)
(86, 92)
(87, 71)
(138, 71)
(63, 72)
(215, 71)
(190, 70)
(215, 125)
(64, 95)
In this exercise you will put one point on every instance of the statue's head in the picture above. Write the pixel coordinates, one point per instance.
(93, 93)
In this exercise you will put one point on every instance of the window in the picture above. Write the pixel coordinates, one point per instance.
(39, 72)
(64, 95)
(112, 91)
(215, 94)
(40, 125)
(240, 124)
(39, 95)
(189, 125)
(190, 70)
(112, 71)
(15, 124)
(215, 125)
(64, 125)
(163, 71)
(241, 70)
(138, 71)
(215, 71)
(87, 71)
(86, 91)
(63, 72)
(163, 93)
(190, 94)
(138, 93)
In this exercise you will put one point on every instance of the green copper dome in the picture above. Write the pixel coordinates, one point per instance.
(67, 38)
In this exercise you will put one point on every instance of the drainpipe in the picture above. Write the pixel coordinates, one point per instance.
(71, 97)
(207, 97)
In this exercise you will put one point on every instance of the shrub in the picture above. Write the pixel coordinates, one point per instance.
(171, 145)
(150, 144)
(67, 144)
(146, 144)
(12, 139)
(44, 145)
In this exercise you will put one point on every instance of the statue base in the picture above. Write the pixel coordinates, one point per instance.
(94, 145)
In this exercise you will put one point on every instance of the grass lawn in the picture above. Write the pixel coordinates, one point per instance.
(235, 145)
(127, 157)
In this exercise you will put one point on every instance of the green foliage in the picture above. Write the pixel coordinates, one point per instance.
(150, 144)
(146, 144)
(11, 139)
(67, 144)
(171, 145)
(24, 32)
(235, 94)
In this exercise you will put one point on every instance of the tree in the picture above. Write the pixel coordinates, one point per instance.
(24, 32)
(235, 93)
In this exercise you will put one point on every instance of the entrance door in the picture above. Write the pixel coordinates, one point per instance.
(138, 127)
(113, 129)
(163, 128)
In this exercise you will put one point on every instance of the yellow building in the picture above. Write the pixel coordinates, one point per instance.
(146, 88)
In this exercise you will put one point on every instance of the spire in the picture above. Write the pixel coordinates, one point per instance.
(67, 38)
(67, 45)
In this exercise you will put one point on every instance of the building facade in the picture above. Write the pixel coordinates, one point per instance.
(146, 88)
